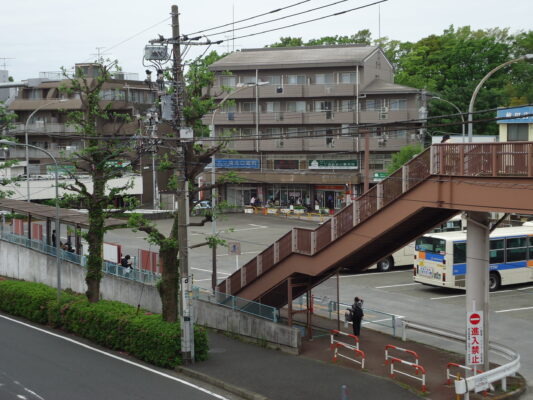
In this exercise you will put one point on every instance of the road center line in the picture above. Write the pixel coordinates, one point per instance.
(402, 284)
(514, 309)
(118, 358)
(462, 295)
(370, 273)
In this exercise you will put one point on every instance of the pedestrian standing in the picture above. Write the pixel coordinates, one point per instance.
(357, 314)
(252, 201)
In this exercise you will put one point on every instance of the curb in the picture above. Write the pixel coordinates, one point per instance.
(244, 393)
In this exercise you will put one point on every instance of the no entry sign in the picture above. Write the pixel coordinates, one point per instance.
(474, 338)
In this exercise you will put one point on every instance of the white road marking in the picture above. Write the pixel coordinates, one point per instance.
(514, 309)
(33, 393)
(209, 270)
(244, 252)
(370, 273)
(202, 280)
(402, 284)
(462, 295)
(120, 359)
(526, 288)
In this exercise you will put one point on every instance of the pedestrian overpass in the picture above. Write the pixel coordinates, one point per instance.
(439, 183)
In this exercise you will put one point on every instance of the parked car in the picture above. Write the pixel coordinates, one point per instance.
(201, 207)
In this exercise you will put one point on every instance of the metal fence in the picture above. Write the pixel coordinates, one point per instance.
(326, 307)
(111, 268)
(236, 303)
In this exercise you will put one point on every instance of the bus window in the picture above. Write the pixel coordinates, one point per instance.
(531, 247)
(516, 249)
(430, 244)
(459, 253)
(497, 252)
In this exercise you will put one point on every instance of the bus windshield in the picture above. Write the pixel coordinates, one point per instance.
(430, 244)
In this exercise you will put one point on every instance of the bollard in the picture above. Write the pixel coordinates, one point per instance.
(344, 392)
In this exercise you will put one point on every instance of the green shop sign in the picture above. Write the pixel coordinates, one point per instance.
(61, 169)
(333, 164)
(379, 176)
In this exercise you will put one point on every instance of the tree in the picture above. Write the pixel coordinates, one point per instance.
(97, 159)
(197, 104)
(403, 156)
(6, 120)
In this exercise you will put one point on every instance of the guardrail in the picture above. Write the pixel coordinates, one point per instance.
(477, 382)
(326, 307)
(237, 303)
(137, 275)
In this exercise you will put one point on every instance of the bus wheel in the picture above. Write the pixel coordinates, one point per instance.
(386, 264)
(494, 281)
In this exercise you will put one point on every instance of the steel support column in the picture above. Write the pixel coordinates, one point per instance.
(477, 272)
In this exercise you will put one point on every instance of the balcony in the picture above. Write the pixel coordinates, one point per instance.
(44, 128)
(57, 151)
(248, 118)
(286, 91)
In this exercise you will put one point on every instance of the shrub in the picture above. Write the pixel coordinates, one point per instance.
(111, 324)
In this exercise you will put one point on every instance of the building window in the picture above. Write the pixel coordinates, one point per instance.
(296, 106)
(229, 107)
(517, 132)
(35, 94)
(347, 77)
(295, 79)
(248, 106)
(347, 105)
(293, 132)
(228, 81)
(247, 80)
(398, 104)
(321, 106)
(272, 131)
(371, 105)
(324, 79)
(270, 106)
(247, 131)
(271, 79)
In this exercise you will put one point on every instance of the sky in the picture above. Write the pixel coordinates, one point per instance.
(44, 35)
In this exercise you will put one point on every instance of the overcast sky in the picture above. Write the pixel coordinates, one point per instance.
(43, 35)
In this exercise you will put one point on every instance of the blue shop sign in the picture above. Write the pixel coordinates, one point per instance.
(236, 163)
(523, 115)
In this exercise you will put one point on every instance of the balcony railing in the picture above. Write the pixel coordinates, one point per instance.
(45, 127)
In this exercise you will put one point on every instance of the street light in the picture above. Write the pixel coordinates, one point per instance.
(213, 162)
(478, 87)
(458, 110)
(27, 145)
(56, 244)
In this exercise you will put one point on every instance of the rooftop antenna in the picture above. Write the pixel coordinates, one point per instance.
(4, 63)
(99, 53)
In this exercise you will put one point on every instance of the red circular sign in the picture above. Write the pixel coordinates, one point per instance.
(475, 319)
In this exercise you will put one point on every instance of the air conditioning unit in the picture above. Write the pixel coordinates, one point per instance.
(279, 116)
(280, 143)
(156, 53)
(383, 115)
(385, 109)
(279, 90)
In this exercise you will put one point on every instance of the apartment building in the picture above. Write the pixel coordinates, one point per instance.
(42, 109)
(298, 120)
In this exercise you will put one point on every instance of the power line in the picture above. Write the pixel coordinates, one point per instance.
(280, 18)
(311, 20)
(249, 18)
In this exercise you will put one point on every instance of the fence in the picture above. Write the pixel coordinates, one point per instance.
(143, 276)
(236, 303)
(326, 307)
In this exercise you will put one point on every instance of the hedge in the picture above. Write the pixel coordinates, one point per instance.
(111, 324)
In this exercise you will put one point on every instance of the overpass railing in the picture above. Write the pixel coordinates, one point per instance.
(457, 159)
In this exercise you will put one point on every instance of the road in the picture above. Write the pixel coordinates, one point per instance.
(37, 364)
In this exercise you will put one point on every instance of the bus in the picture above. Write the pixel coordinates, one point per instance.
(405, 256)
(441, 258)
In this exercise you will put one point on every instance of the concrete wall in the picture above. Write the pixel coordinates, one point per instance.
(22, 263)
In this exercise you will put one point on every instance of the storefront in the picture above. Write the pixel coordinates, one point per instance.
(330, 196)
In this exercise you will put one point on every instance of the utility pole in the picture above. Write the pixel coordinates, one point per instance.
(185, 305)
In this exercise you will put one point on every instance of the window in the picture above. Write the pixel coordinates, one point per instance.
(229, 107)
(35, 94)
(112, 94)
(531, 247)
(293, 132)
(348, 77)
(247, 80)
(497, 252)
(271, 79)
(229, 81)
(398, 104)
(272, 131)
(432, 245)
(347, 105)
(270, 106)
(135, 96)
(517, 132)
(459, 253)
(296, 106)
(371, 105)
(295, 80)
(322, 106)
(247, 131)
(516, 249)
(324, 79)
(248, 106)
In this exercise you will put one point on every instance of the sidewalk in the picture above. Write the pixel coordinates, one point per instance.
(263, 373)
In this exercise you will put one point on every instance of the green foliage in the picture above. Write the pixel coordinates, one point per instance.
(114, 325)
(403, 156)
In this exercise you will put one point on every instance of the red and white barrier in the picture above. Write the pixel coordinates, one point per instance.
(390, 346)
(333, 341)
(450, 377)
(356, 351)
(418, 368)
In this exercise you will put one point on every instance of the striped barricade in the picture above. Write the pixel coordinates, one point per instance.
(356, 351)
(450, 376)
(392, 347)
(333, 341)
(418, 369)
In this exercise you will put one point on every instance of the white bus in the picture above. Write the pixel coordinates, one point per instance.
(405, 256)
(441, 258)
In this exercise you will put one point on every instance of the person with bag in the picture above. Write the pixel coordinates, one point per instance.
(356, 315)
